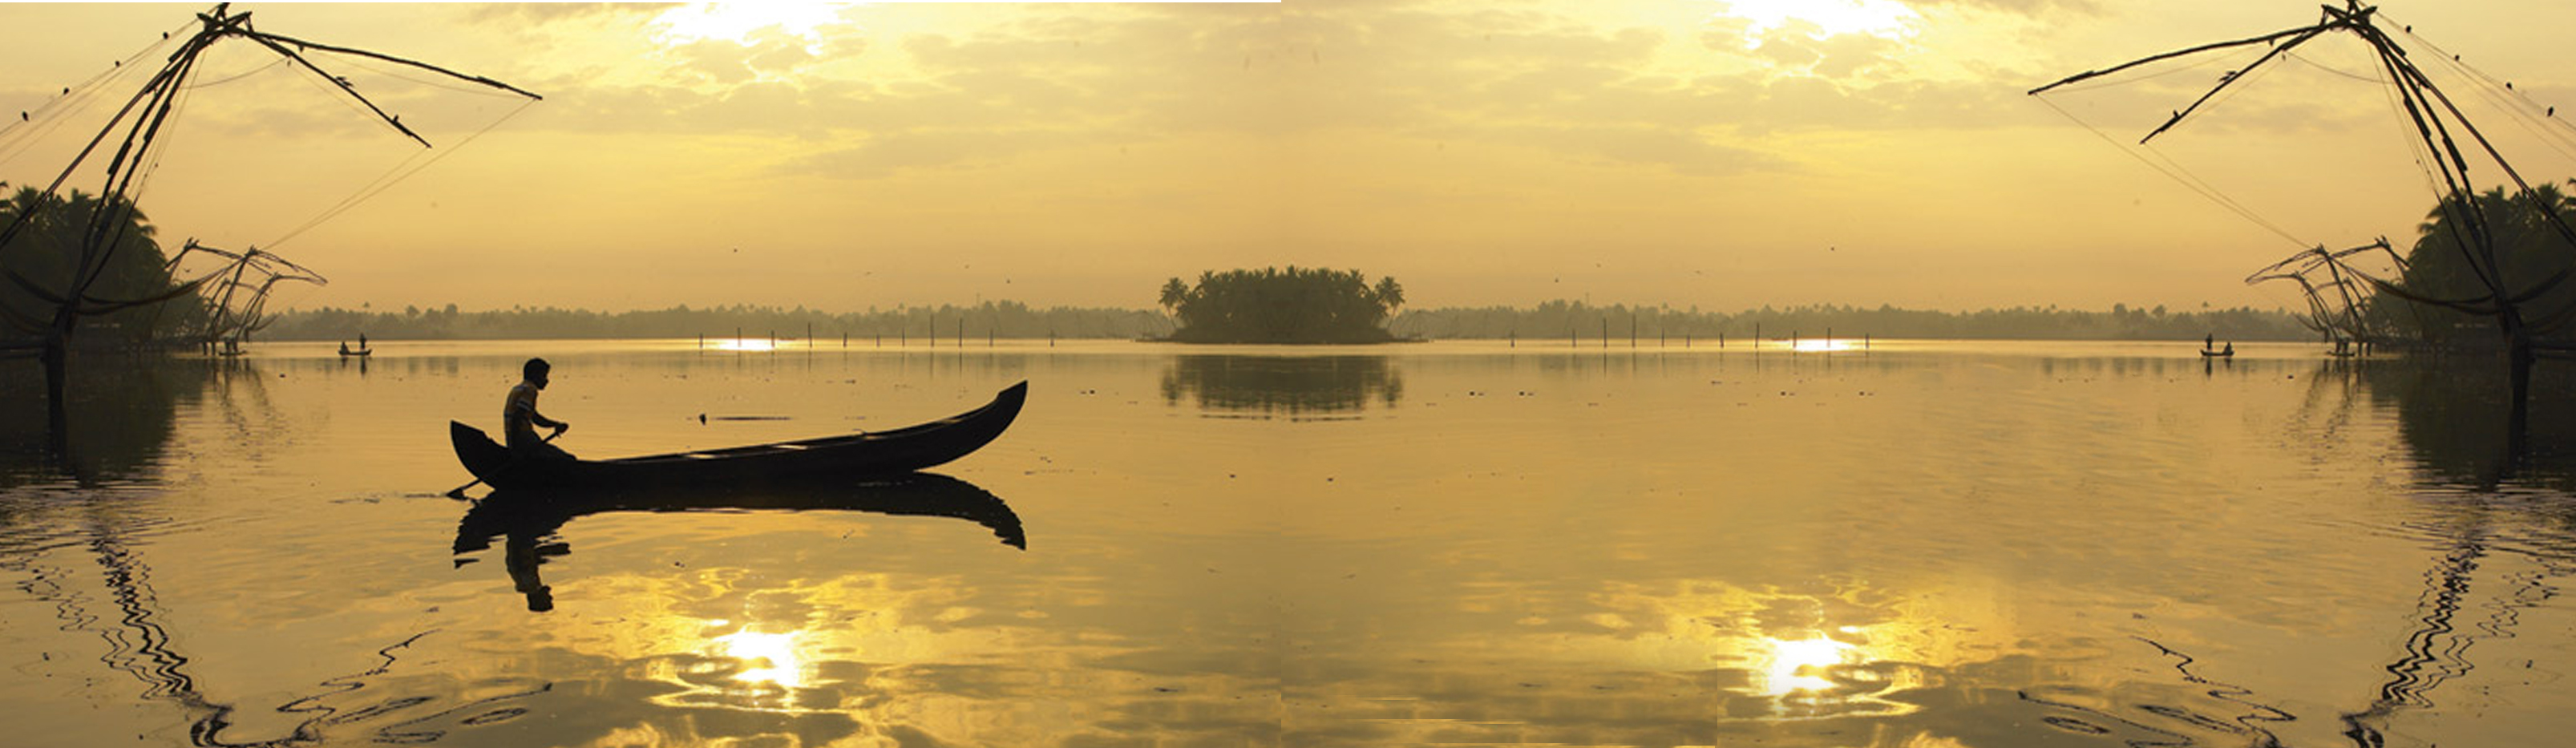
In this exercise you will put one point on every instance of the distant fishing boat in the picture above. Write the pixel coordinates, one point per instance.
(345, 351)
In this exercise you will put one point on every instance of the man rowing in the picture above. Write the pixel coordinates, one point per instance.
(520, 419)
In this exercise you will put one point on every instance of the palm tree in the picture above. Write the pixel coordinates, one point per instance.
(1174, 292)
(1389, 294)
(2530, 251)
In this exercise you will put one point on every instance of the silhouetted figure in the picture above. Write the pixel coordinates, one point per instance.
(362, 341)
(520, 419)
(2209, 342)
(2230, 350)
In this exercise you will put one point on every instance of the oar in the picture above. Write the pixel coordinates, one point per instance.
(458, 493)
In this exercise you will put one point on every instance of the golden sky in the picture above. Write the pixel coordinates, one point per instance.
(1711, 153)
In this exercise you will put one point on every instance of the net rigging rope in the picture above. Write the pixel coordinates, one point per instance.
(403, 170)
(2176, 171)
(19, 136)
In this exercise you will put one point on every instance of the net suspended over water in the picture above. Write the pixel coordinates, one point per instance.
(67, 255)
(2501, 254)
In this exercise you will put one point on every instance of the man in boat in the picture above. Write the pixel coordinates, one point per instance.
(520, 419)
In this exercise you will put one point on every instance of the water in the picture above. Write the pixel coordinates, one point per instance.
(1923, 544)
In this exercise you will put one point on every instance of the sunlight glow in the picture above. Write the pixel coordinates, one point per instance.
(775, 655)
(1884, 18)
(742, 344)
(736, 22)
(1795, 666)
(1824, 345)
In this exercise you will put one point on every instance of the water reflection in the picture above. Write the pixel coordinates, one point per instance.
(1295, 387)
(2453, 415)
(527, 521)
(2494, 526)
(122, 411)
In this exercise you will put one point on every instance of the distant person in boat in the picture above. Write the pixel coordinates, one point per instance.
(2210, 342)
(520, 419)
(2230, 350)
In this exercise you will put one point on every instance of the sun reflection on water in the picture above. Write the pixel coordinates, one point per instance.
(774, 654)
(741, 344)
(1794, 666)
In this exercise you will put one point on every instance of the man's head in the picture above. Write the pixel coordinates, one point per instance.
(535, 371)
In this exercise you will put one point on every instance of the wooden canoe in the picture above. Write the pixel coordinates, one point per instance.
(2218, 354)
(850, 455)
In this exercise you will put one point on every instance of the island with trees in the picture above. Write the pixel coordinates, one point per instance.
(1275, 306)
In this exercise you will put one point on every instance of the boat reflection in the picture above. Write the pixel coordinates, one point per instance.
(527, 521)
(1291, 386)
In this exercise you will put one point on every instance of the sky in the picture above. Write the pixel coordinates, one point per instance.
(1716, 154)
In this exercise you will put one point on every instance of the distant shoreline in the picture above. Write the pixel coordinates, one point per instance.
(1552, 321)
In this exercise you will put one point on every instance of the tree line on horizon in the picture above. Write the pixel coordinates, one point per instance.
(1562, 320)
(1553, 320)
(1244, 306)
(1000, 319)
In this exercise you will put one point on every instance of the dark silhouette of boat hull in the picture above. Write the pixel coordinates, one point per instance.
(902, 450)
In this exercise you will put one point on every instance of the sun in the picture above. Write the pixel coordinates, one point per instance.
(736, 22)
(1883, 18)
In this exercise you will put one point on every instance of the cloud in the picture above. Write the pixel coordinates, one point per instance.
(1800, 45)
(546, 13)
(884, 155)
(2023, 7)
(1061, 77)
(770, 53)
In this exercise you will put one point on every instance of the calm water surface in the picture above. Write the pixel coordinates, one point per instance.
(1924, 544)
